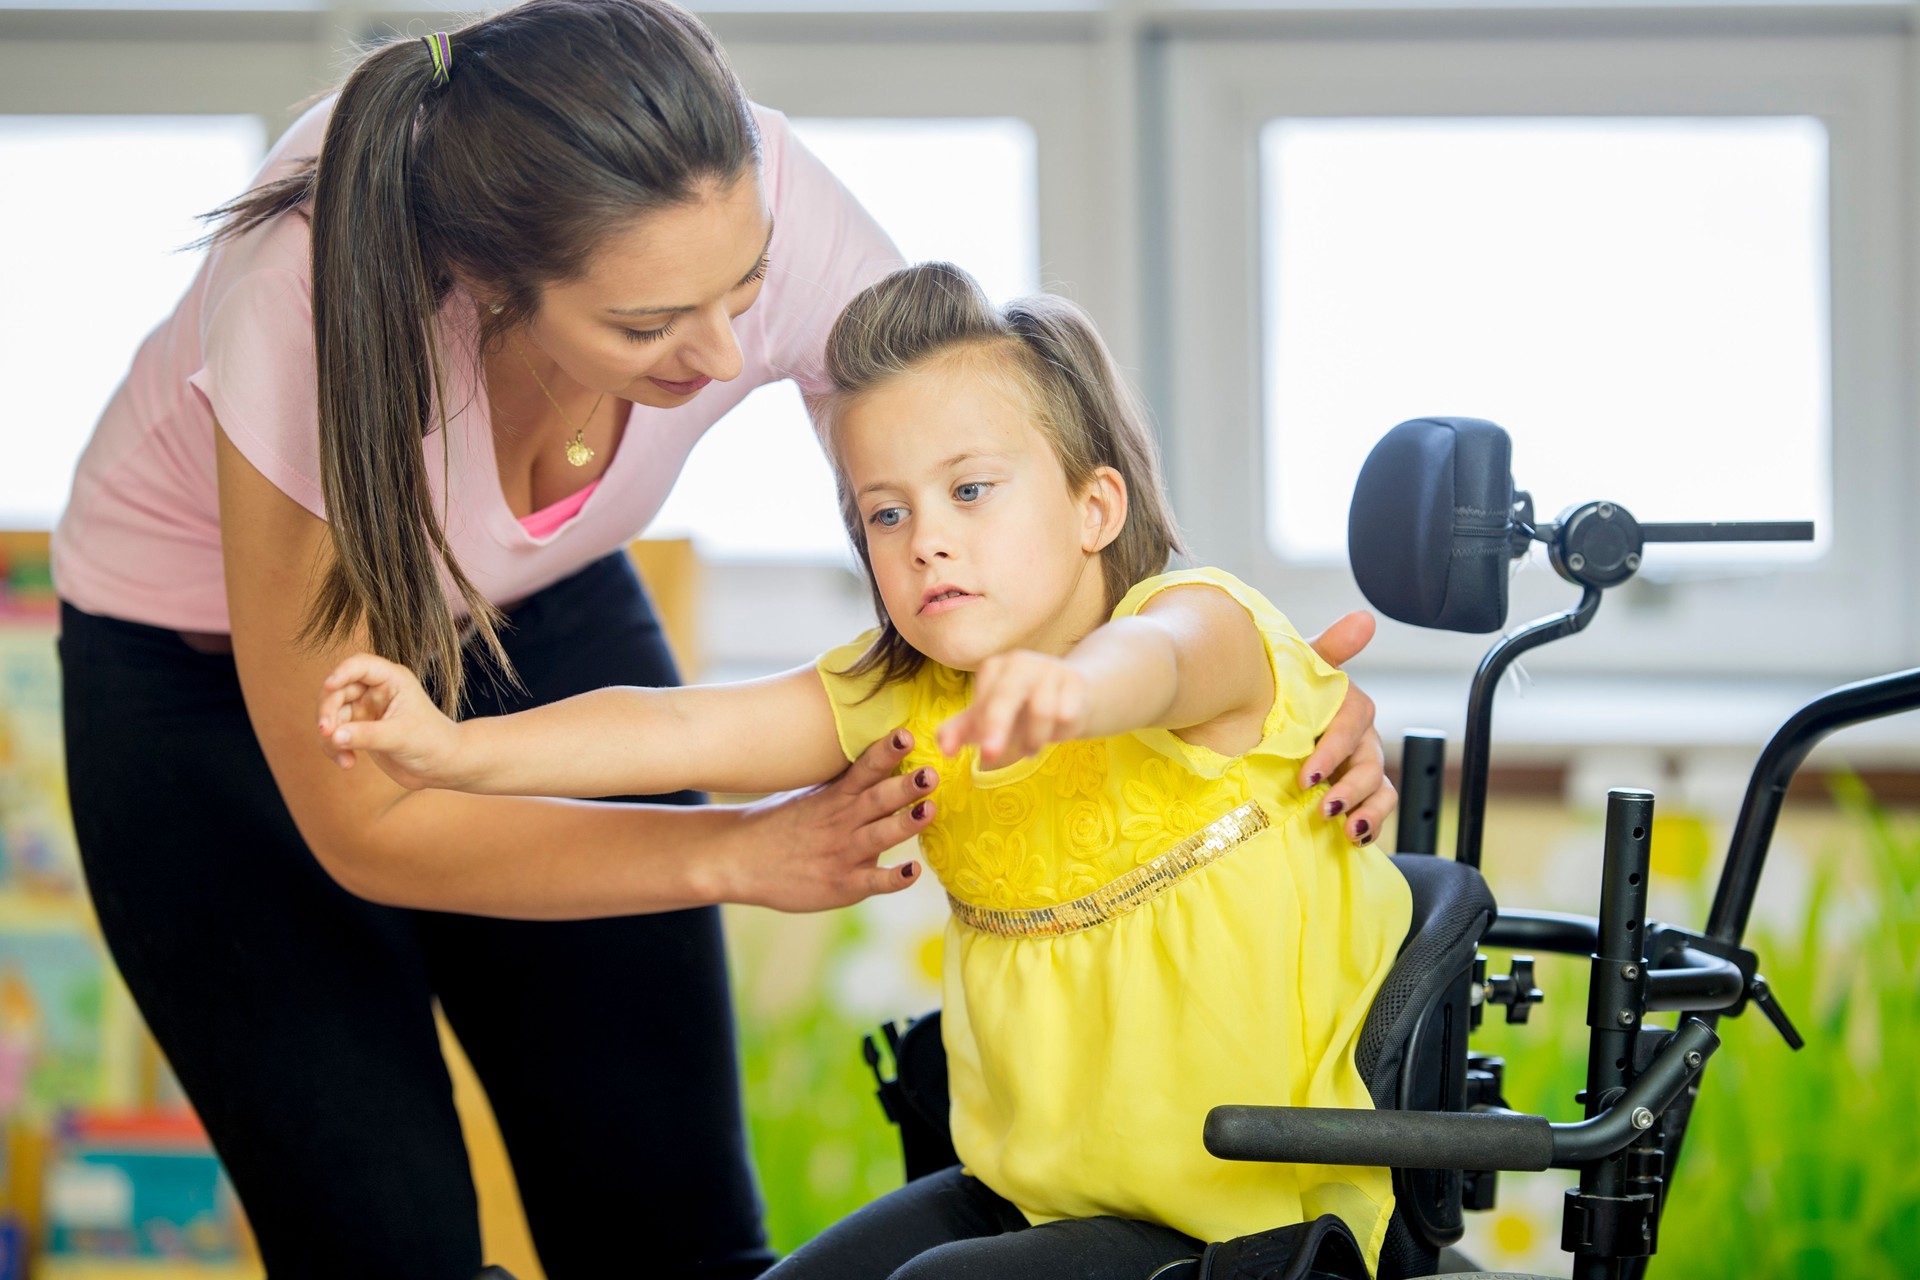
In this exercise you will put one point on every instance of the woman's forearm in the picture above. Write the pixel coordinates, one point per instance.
(538, 859)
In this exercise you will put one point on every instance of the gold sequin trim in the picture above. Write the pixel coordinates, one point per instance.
(1123, 893)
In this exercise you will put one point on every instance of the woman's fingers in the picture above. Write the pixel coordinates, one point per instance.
(1340, 643)
(1350, 728)
(1369, 817)
(880, 880)
(895, 794)
(1363, 774)
(876, 764)
(874, 838)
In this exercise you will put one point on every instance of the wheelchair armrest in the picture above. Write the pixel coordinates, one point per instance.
(1392, 1139)
(1486, 1139)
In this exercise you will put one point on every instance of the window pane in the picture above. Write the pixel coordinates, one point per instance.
(93, 211)
(1641, 303)
(757, 486)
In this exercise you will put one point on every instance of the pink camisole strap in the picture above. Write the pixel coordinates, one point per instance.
(547, 519)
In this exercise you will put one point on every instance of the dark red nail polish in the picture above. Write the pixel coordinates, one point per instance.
(899, 740)
(922, 778)
(1360, 827)
(918, 811)
(1366, 839)
(1313, 779)
(906, 871)
(1336, 807)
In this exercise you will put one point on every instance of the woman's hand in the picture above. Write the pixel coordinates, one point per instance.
(378, 707)
(1349, 752)
(820, 848)
(1022, 701)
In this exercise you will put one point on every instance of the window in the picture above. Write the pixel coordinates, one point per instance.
(757, 487)
(1637, 301)
(93, 263)
(1661, 264)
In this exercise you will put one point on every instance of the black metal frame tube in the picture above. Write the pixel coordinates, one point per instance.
(1477, 746)
(1616, 1002)
(1699, 982)
(1767, 789)
(1423, 761)
(1726, 531)
(1666, 1077)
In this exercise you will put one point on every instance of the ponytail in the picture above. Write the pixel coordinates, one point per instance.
(375, 302)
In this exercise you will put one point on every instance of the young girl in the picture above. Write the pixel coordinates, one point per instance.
(1150, 914)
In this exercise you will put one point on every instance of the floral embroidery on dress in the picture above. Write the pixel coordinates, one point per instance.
(936, 845)
(1057, 827)
(1012, 806)
(1166, 804)
(1091, 828)
(1004, 871)
(1079, 769)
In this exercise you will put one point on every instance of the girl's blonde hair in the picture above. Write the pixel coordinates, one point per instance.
(1061, 369)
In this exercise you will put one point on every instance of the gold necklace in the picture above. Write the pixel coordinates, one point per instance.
(579, 452)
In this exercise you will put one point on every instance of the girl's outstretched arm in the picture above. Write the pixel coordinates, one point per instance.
(762, 735)
(1191, 660)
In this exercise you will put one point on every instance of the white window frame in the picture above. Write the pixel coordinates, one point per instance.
(1851, 612)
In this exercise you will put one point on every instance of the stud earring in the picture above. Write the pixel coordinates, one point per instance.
(497, 307)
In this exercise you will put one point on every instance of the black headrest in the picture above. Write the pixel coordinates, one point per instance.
(1429, 530)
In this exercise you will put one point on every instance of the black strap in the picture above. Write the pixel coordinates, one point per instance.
(1323, 1249)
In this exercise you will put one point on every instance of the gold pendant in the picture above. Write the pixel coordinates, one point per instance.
(579, 452)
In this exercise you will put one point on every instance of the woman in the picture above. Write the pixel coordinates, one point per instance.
(417, 399)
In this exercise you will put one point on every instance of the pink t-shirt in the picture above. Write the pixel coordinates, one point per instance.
(140, 539)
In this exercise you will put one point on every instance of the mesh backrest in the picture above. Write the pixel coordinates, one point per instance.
(1452, 908)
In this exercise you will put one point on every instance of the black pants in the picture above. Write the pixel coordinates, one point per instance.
(950, 1226)
(299, 1018)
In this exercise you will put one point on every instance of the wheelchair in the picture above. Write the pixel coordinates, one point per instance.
(1434, 525)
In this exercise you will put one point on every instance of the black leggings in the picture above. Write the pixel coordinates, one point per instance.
(299, 1018)
(951, 1226)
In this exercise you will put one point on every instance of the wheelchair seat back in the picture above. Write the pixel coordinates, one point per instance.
(1413, 1046)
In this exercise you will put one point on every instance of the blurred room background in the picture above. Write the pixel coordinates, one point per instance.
(1672, 248)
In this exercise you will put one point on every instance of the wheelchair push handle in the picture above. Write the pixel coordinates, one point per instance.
(1485, 1139)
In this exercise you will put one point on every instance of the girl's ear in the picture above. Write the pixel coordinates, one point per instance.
(1103, 510)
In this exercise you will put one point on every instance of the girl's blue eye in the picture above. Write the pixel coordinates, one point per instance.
(888, 517)
(972, 491)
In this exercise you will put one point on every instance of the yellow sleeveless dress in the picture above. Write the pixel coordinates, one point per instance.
(1143, 929)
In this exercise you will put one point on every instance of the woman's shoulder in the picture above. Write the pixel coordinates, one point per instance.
(826, 248)
(274, 256)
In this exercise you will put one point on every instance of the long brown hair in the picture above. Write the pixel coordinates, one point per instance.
(559, 122)
(1063, 371)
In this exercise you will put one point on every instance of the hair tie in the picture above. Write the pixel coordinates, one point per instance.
(442, 50)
